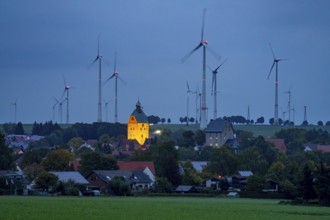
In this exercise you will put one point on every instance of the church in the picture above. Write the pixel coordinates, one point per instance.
(138, 125)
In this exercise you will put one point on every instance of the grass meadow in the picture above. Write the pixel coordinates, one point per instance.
(158, 208)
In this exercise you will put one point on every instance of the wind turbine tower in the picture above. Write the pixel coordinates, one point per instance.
(54, 106)
(203, 43)
(289, 104)
(15, 109)
(99, 103)
(116, 76)
(214, 90)
(66, 90)
(275, 63)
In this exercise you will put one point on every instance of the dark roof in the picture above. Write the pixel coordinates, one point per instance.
(139, 114)
(70, 175)
(216, 125)
(185, 188)
(132, 176)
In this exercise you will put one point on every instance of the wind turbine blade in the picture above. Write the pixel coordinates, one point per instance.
(90, 65)
(188, 89)
(123, 81)
(216, 70)
(215, 54)
(191, 52)
(115, 67)
(209, 68)
(98, 46)
(203, 24)
(271, 70)
(272, 50)
(113, 75)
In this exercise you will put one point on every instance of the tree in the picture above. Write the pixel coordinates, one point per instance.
(322, 185)
(188, 139)
(162, 185)
(258, 165)
(33, 170)
(223, 161)
(320, 123)
(256, 183)
(260, 120)
(19, 130)
(46, 181)
(152, 119)
(306, 186)
(9, 128)
(165, 158)
(57, 160)
(6, 159)
(168, 121)
(190, 176)
(96, 161)
(162, 120)
(304, 123)
(271, 121)
(118, 186)
(327, 123)
(75, 142)
(200, 137)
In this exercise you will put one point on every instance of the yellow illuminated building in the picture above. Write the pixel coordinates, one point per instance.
(138, 125)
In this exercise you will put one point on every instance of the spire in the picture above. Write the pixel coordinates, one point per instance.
(138, 107)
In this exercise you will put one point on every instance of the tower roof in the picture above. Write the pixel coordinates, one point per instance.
(139, 114)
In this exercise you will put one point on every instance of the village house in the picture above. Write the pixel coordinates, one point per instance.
(137, 179)
(218, 132)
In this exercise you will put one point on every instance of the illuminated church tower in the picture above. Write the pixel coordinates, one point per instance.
(138, 125)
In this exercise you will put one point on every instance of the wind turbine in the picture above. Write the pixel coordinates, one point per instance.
(15, 109)
(214, 88)
(99, 103)
(203, 43)
(66, 90)
(106, 110)
(289, 103)
(275, 63)
(116, 76)
(60, 105)
(54, 106)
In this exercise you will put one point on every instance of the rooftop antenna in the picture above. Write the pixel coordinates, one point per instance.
(203, 43)
(116, 76)
(214, 89)
(99, 103)
(15, 109)
(275, 63)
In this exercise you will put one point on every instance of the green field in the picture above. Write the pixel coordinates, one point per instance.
(157, 208)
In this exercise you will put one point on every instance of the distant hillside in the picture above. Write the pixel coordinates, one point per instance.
(263, 130)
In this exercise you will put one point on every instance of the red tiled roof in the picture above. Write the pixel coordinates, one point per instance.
(279, 143)
(323, 148)
(136, 165)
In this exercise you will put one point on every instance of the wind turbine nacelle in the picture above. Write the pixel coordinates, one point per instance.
(204, 42)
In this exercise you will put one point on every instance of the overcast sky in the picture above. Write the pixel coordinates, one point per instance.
(42, 41)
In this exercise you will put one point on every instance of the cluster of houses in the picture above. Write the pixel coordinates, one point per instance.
(139, 175)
